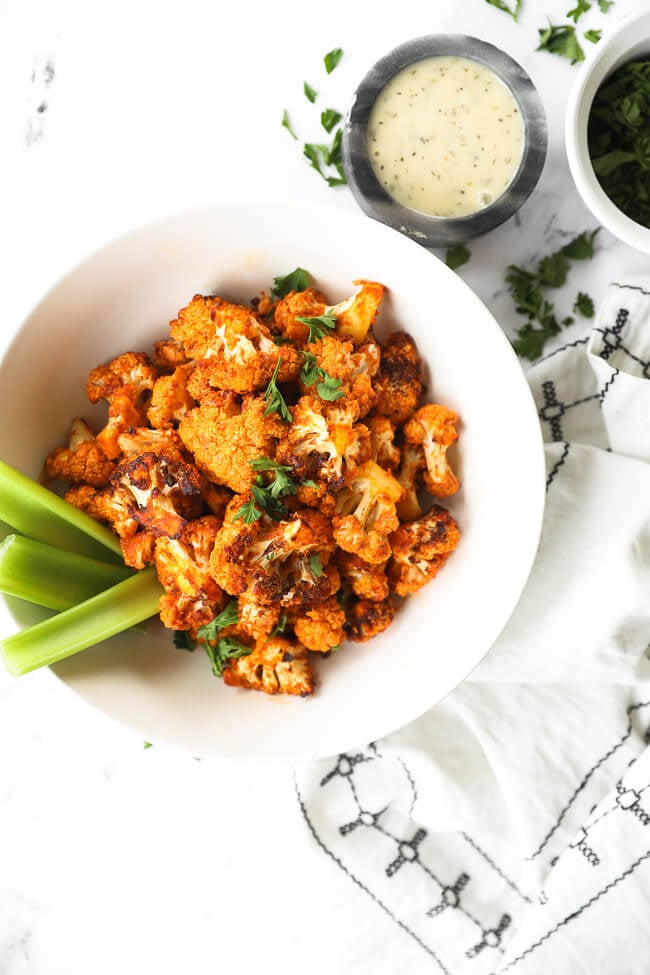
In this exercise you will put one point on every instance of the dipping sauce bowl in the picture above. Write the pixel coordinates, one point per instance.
(500, 91)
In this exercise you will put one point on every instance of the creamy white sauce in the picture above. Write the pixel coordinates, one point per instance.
(445, 136)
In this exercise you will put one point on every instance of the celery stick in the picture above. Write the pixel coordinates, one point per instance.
(32, 510)
(84, 625)
(51, 576)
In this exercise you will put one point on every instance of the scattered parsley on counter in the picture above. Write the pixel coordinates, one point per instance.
(457, 256)
(593, 35)
(330, 118)
(584, 305)
(296, 280)
(529, 298)
(502, 5)
(287, 125)
(147, 744)
(619, 139)
(318, 326)
(274, 398)
(310, 94)
(561, 39)
(605, 5)
(332, 58)
(582, 7)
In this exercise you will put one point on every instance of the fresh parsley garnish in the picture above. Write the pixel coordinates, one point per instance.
(268, 503)
(457, 256)
(310, 93)
(282, 484)
(584, 305)
(147, 744)
(296, 280)
(287, 125)
(328, 387)
(502, 5)
(320, 157)
(227, 617)
(182, 640)
(315, 565)
(274, 399)
(332, 58)
(330, 118)
(248, 512)
(605, 5)
(581, 7)
(593, 35)
(561, 39)
(225, 649)
(318, 326)
(530, 300)
(280, 626)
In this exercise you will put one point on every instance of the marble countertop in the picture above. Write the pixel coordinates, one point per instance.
(114, 857)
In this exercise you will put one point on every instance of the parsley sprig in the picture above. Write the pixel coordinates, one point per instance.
(265, 498)
(227, 617)
(282, 484)
(561, 39)
(502, 5)
(274, 399)
(526, 288)
(296, 280)
(225, 649)
(220, 649)
(328, 387)
(318, 326)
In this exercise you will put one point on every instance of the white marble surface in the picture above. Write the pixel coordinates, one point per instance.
(113, 857)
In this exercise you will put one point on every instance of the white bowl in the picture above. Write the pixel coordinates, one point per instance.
(630, 39)
(123, 298)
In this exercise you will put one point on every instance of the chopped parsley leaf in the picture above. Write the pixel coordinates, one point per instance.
(182, 640)
(227, 617)
(276, 402)
(310, 93)
(248, 512)
(502, 5)
(584, 305)
(593, 35)
(332, 58)
(225, 649)
(581, 7)
(562, 40)
(280, 626)
(296, 280)
(147, 744)
(282, 484)
(330, 118)
(318, 326)
(457, 256)
(287, 125)
(605, 5)
(328, 387)
(315, 565)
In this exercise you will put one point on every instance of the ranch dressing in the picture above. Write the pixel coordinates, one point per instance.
(445, 136)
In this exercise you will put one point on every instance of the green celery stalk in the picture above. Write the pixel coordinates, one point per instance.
(84, 625)
(51, 576)
(32, 510)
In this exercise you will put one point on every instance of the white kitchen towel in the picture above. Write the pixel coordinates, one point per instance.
(508, 829)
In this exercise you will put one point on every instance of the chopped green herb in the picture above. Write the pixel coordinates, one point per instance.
(332, 58)
(282, 484)
(266, 502)
(225, 649)
(605, 5)
(296, 280)
(287, 125)
(280, 626)
(147, 744)
(310, 94)
(329, 388)
(318, 326)
(182, 640)
(530, 301)
(281, 340)
(581, 7)
(569, 320)
(249, 512)
(584, 305)
(319, 156)
(502, 5)
(309, 483)
(315, 565)
(227, 617)
(310, 370)
(593, 35)
(457, 256)
(330, 118)
(562, 40)
(274, 398)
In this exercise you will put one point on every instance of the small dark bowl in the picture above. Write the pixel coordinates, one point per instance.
(431, 231)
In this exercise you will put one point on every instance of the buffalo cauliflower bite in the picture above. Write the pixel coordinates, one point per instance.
(256, 619)
(164, 491)
(125, 384)
(298, 304)
(192, 598)
(82, 461)
(223, 442)
(168, 355)
(113, 505)
(367, 581)
(235, 348)
(140, 440)
(420, 548)
(382, 443)
(282, 563)
(409, 479)
(433, 428)
(365, 513)
(320, 628)
(354, 315)
(353, 368)
(170, 400)
(366, 619)
(276, 666)
(398, 384)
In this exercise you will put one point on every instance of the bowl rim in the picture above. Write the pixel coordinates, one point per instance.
(598, 65)
(428, 229)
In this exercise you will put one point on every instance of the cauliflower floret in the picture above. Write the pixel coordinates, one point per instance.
(223, 443)
(216, 499)
(354, 315)
(321, 450)
(164, 491)
(282, 563)
(111, 505)
(409, 478)
(305, 304)
(354, 370)
(420, 548)
(321, 627)
(140, 440)
(382, 446)
(170, 400)
(255, 619)
(236, 349)
(192, 598)
(398, 385)
(125, 384)
(82, 462)
(365, 513)
(366, 619)
(276, 666)
(138, 550)
(367, 581)
(168, 355)
(434, 429)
